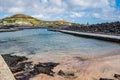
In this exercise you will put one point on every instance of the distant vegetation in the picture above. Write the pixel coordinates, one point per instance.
(25, 20)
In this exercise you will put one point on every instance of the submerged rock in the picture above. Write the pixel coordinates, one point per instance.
(67, 74)
(70, 74)
(105, 79)
(61, 73)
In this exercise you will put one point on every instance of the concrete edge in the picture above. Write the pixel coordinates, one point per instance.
(111, 38)
(5, 72)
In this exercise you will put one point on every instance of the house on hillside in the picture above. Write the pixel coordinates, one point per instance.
(20, 23)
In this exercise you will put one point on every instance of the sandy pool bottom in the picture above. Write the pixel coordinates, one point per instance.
(83, 67)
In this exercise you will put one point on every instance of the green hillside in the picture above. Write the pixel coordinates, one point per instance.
(25, 20)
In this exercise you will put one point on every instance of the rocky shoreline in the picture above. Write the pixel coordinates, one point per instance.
(24, 70)
(12, 29)
(72, 69)
(112, 28)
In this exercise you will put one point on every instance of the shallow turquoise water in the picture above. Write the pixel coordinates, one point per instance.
(40, 40)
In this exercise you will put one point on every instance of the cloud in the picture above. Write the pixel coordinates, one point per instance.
(102, 9)
(1, 9)
(107, 12)
(16, 10)
(96, 15)
(56, 2)
(77, 14)
(40, 16)
(44, 1)
(90, 4)
(83, 4)
(52, 9)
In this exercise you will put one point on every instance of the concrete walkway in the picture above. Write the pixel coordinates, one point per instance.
(5, 73)
(94, 35)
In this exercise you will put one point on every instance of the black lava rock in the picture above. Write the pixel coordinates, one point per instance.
(27, 69)
(105, 79)
(61, 73)
(117, 76)
(103, 28)
(12, 60)
(45, 68)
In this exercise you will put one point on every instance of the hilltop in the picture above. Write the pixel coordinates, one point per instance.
(26, 20)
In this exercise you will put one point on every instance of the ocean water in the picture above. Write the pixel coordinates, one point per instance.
(33, 41)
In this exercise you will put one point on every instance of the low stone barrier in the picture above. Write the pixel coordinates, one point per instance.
(112, 38)
(5, 73)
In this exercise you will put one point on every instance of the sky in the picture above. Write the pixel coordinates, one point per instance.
(78, 11)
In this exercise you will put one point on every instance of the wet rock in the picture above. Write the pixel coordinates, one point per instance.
(18, 68)
(45, 68)
(61, 73)
(117, 76)
(67, 74)
(105, 79)
(80, 58)
(27, 69)
(12, 60)
(70, 74)
(21, 67)
(23, 76)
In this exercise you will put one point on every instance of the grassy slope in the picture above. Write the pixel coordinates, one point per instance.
(35, 22)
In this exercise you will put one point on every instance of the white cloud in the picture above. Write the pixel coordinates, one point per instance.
(100, 9)
(82, 4)
(119, 17)
(107, 11)
(54, 10)
(96, 15)
(39, 16)
(86, 4)
(19, 3)
(56, 2)
(16, 10)
(77, 14)
(1, 9)
(47, 7)
(44, 1)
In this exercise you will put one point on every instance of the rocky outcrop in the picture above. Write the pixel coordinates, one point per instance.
(116, 77)
(13, 60)
(103, 28)
(24, 70)
(105, 79)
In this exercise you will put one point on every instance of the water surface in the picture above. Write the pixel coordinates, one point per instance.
(35, 41)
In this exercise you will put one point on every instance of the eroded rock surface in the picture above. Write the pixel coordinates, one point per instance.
(24, 70)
